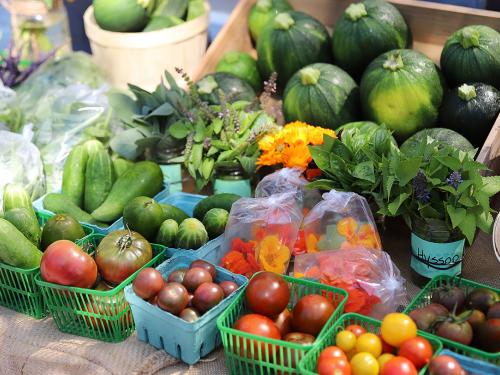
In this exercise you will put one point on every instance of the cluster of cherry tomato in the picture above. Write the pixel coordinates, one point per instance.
(397, 350)
(187, 292)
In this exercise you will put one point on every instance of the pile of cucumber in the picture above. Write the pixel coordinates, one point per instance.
(96, 188)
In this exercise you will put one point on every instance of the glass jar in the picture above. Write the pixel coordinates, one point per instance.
(39, 27)
(173, 174)
(232, 178)
(435, 250)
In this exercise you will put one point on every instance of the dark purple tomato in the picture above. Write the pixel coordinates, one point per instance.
(451, 297)
(190, 299)
(423, 317)
(475, 318)
(438, 309)
(267, 294)
(299, 338)
(206, 296)
(177, 276)
(487, 335)
(173, 298)
(205, 265)
(311, 313)
(481, 299)
(228, 287)
(494, 311)
(284, 322)
(456, 331)
(445, 365)
(147, 283)
(189, 314)
(195, 277)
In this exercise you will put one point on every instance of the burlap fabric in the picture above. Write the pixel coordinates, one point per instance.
(29, 346)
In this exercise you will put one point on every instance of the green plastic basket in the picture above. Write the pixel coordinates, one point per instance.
(249, 354)
(424, 298)
(101, 315)
(18, 290)
(308, 364)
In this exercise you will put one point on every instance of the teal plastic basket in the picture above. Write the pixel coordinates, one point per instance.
(187, 341)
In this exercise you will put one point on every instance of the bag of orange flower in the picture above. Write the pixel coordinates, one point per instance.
(288, 180)
(373, 281)
(260, 234)
(340, 221)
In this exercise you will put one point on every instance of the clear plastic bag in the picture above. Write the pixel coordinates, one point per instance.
(260, 234)
(373, 281)
(20, 162)
(340, 221)
(288, 180)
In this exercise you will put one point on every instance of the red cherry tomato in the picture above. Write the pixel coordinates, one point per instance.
(332, 352)
(258, 325)
(336, 366)
(386, 348)
(418, 350)
(399, 366)
(356, 329)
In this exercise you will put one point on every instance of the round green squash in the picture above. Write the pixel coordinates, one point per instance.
(122, 15)
(291, 41)
(215, 221)
(321, 95)
(472, 54)
(60, 227)
(366, 30)
(471, 110)
(233, 87)
(143, 215)
(262, 12)
(444, 136)
(191, 235)
(242, 65)
(401, 89)
(167, 233)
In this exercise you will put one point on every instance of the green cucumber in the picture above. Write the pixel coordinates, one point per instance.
(15, 196)
(73, 182)
(26, 222)
(174, 213)
(93, 146)
(191, 235)
(224, 200)
(15, 249)
(176, 8)
(215, 221)
(99, 179)
(196, 8)
(162, 22)
(61, 204)
(121, 165)
(167, 233)
(143, 179)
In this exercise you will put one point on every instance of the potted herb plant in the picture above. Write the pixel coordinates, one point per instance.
(441, 194)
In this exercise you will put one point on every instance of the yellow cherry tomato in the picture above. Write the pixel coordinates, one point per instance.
(345, 340)
(370, 343)
(397, 327)
(386, 357)
(364, 364)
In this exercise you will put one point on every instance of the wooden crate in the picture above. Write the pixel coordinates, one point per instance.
(431, 24)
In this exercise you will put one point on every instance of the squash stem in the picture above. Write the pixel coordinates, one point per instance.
(467, 92)
(356, 11)
(264, 6)
(469, 37)
(309, 76)
(394, 62)
(207, 85)
(283, 21)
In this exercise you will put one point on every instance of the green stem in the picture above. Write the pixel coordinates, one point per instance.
(466, 92)
(309, 76)
(356, 11)
(469, 37)
(264, 6)
(394, 62)
(283, 21)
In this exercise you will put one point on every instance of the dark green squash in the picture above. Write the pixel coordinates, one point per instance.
(472, 54)
(321, 95)
(365, 31)
(401, 89)
(262, 12)
(471, 110)
(442, 135)
(291, 41)
(234, 88)
(242, 65)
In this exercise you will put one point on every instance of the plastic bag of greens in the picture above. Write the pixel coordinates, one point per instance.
(340, 221)
(373, 281)
(20, 163)
(10, 114)
(260, 234)
(288, 180)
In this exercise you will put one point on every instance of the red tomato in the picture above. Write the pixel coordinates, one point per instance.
(148, 283)
(267, 294)
(65, 263)
(311, 313)
(258, 325)
(418, 350)
(333, 366)
(386, 348)
(356, 329)
(399, 366)
(445, 365)
(284, 322)
(332, 352)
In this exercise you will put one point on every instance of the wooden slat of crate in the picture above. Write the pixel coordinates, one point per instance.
(431, 24)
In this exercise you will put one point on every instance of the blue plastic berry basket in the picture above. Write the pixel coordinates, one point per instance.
(186, 341)
(186, 202)
(471, 365)
(117, 225)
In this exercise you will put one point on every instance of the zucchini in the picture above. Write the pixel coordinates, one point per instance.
(174, 213)
(162, 22)
(26, 222)
(73, 182)
(15, 249)
(176, 8)
(15, 196)
(99, 179)
(120, 165)
(224, 200)
(143, 179)
(61, 204)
